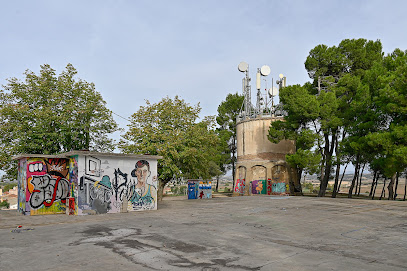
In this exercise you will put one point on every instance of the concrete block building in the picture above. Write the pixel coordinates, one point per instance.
(84, 182)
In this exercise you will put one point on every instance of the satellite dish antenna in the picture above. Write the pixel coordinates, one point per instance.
(281, 76)
(265, 70)
(243, 66)
(273, 92)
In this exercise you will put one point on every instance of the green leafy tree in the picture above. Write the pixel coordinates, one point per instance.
(49, 114)
(228, 111)
(303, 109)
(331, 105)
(389, 142)
(170, 129)
(338, 75)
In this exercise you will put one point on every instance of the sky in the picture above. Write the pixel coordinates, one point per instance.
(146, 50)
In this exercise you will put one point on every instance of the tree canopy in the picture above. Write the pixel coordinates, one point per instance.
(49, 114)
(352, 111)
(228, 111)
(170, 128)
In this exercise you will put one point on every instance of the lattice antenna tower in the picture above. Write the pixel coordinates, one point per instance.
(248, 107)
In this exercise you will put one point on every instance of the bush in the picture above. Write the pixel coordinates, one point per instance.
(9, 186)
(4, 204)
(179, 190)
(308, 186)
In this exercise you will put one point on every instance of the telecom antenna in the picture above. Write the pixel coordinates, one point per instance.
(244, 67)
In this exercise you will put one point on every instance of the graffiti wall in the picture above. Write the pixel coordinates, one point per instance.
(47, 185)
(83, 184)
(259, 187)
(239, 186)
(199, 189)
(22, 184)
(112, 185)
(279, 184)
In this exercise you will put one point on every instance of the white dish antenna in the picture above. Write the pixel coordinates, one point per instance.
(273, 91)
(265, 70)
(243, 66)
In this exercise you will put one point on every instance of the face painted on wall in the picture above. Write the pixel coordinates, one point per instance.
(142, 173)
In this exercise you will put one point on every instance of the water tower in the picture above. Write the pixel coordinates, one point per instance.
(261, 167)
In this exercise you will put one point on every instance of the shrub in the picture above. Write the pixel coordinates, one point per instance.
(4, 204)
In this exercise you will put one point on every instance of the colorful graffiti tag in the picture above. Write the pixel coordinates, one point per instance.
(240, 186)
(47, 185)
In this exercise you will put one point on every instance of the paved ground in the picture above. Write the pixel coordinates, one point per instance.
(241, 233)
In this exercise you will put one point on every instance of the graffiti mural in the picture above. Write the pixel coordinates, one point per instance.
(22, 177)
(199, 189)
(240, 183)
(279, 185)
(78, 184)
(239, 186)
(205, 190)
(192, 190)
(259, 187)
(112, 186)
(279, 188)
(48, 189)
(269, 187)
(47, 185)
(142, 196)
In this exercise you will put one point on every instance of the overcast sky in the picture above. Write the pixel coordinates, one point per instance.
(145, 50)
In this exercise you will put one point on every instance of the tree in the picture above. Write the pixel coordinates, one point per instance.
(332, 105)
(388, 80)
(170, 129)
(302, 108)
(50, 114)
(338, 73)
(228, 111)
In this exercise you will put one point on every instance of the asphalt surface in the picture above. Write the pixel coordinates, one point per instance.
(239, 233)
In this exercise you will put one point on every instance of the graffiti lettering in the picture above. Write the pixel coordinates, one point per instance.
(47, 190)
(119, 184)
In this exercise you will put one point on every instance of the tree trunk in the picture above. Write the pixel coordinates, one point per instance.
(338, 168)
(360, 178)
(217, 184)
(325, 180)
(328, 163)
(383, 194)
(343, 175)
(354, 177)
(390, 186)
(373, 184)
(297, 184)
(395, 188)
(160, 191)
(357, 184)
